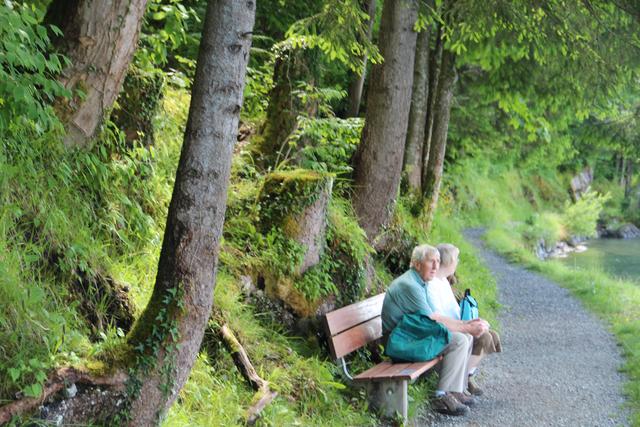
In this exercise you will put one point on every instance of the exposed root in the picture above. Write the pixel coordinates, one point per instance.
(263, 395)
(54, 384)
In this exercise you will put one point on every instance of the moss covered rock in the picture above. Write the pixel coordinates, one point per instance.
(296, 202)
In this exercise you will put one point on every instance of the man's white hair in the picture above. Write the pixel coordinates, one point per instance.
(422, 252)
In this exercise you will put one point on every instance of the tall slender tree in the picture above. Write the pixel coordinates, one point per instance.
(170, 330)
(378, 161)
(418, 114)
(434, 74)
(99, 39)
(357, 81)
(438, 141)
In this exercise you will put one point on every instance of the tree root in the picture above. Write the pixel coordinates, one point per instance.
(54, 384)
(263, 395)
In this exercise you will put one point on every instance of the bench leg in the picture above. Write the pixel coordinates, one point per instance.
(390, 397)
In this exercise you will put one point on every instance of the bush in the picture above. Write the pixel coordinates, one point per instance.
(547, 226)
(580, 218)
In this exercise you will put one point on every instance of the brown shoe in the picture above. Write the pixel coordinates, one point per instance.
(465, 399)
(473, 388)
(448, 405)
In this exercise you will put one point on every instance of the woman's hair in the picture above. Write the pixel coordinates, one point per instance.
(421, 252)
(447, 253)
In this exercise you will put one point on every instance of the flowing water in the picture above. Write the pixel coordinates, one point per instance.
(617, 257)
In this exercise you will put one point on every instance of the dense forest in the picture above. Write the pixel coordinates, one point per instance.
(187, 185)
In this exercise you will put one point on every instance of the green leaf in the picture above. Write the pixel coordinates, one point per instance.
(34, 390)
(14, 373)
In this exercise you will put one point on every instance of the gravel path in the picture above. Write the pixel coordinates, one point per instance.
(559, 366)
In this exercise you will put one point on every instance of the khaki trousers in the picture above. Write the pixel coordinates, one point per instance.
(453, 368)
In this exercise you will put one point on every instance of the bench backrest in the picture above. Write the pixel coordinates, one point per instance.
(354, 326)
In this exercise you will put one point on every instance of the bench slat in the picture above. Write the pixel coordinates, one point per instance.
(387, 370)
(346, 317)
(356, 337)
(374, 371)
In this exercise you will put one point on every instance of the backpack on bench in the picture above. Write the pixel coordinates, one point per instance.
(468, 307)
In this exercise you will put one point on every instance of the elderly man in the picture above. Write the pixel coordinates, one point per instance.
(408, 294)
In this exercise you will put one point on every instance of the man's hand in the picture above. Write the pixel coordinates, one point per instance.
(477, 327)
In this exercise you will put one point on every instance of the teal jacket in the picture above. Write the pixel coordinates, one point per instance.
(406, 294)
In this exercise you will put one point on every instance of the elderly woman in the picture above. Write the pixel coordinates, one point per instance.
(443, 301)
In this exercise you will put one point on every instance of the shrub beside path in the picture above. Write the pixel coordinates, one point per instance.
(559, 366)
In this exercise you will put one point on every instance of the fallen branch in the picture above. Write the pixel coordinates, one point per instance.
(54, 384)
(263, 395)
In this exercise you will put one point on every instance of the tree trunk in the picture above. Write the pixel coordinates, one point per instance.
(628, 178)
(434, 75)
(99, 39)
(623, 169)
(417, 114)
(378, 160)
(357, 82)
(168, 335)
(442, 110)
(292, 67)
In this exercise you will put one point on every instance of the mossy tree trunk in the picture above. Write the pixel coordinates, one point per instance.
(138, 103)
(378, 160)
(438, 143)
(168, 335)
(293, 67)
(418, 114)
(357, 81)
(100, 38)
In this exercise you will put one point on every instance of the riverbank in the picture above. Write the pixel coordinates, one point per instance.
(617, 302)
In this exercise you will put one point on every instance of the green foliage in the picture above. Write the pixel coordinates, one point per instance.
(258, 83)
(347, 252)
(170, 36)
(67, 214)
(27, 73)
(546, 226)
(580, 218)
(339, 31)
(327, 144)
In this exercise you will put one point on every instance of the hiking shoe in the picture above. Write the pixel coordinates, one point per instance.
(473, 388)
(465, 399)
(448, 405)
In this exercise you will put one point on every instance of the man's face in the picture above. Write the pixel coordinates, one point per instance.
(429, 267)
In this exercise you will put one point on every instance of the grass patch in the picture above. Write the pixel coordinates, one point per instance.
(309, 395)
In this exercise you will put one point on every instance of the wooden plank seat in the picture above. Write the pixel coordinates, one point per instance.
(401, 371)
(354, 326)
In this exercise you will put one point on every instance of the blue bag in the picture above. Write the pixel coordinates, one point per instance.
(468, 307)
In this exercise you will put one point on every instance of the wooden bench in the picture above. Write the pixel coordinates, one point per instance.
(354, 326)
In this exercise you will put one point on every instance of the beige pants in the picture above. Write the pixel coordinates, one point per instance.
(453, 368)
